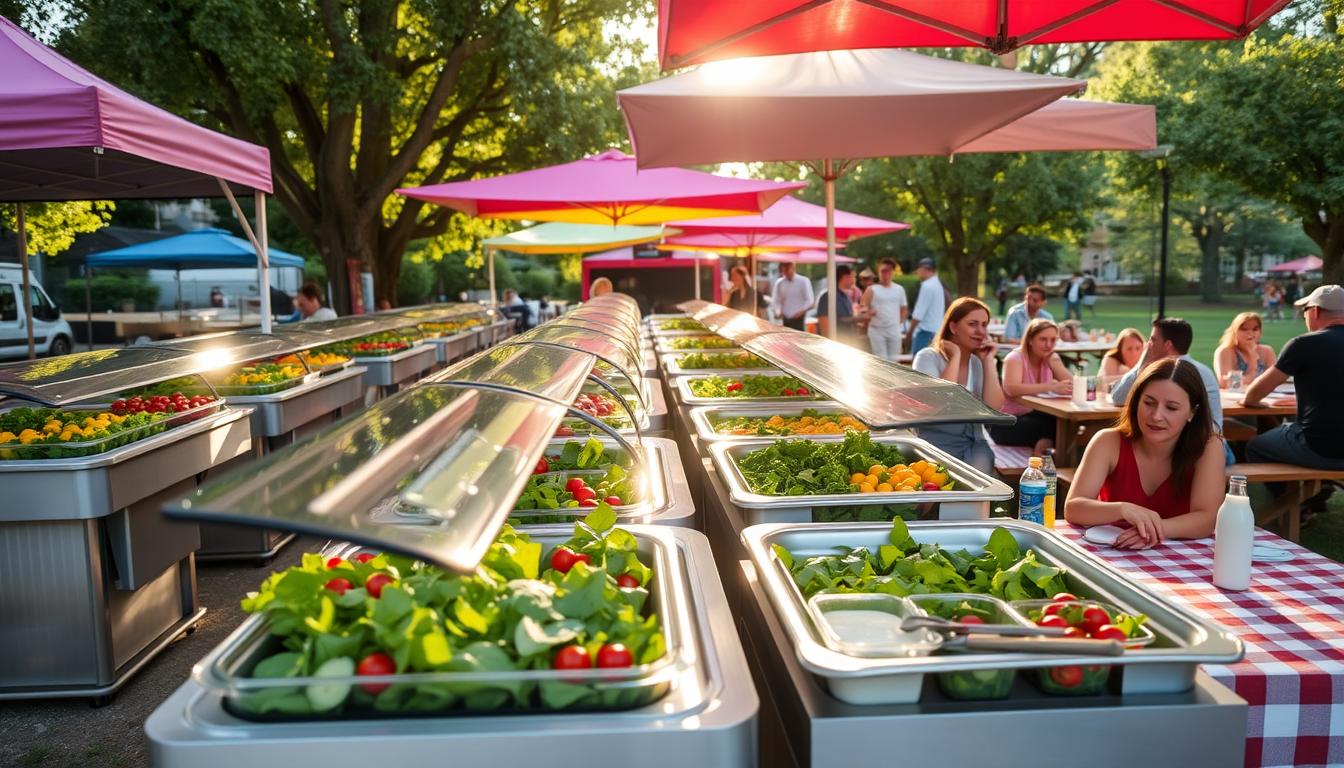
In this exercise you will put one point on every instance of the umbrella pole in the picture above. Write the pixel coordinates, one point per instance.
(26, 301)
(264, 262)
(833, 290)
(178, 272)
(697, 275)
(88, 303)
(490, 257)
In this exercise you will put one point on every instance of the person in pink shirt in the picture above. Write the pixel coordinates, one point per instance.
(1032, 369)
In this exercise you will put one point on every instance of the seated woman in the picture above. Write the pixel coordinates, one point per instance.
(1240, 350)
(1032, 369)
(1070, 330)
(1126, 354)
(1159, 471)
(962, 353)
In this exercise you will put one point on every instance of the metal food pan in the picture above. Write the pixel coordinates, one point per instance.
(15, 451)
(258, 390)
(393, 369)
(224, 670)
(651, 419)
(455, 347)
(703, 417)
(283, 412)
(664, 346)
(673, 368)
(971, 500)
(1184, 639)
(682, 386)
(667, 497)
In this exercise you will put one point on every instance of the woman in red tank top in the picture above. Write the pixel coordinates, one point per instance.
(1159, 471)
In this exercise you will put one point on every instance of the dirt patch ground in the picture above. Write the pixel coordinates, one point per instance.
(68, 733)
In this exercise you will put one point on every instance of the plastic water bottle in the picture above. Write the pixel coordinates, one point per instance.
(1051, 487)
(1234, 536)
(1031, 493)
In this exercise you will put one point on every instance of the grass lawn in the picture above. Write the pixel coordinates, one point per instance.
(1209, 320)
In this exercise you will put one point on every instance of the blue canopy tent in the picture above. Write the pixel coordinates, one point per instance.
(199, 249)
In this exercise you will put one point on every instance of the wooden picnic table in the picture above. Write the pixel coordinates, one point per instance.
(1070, 415)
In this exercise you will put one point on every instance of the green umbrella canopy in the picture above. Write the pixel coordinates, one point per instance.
(561, 237)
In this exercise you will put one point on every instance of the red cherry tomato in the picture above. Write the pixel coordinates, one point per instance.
(573, 484)
(583, 557)
(1094, 618)
(334, 562)
(562, 559)
(377, 663)
(584, 493)
(565, 431)
(1052, 621)
(1065, 597)
(1052, 609)
(803, 391)
(614, 656)
(1075, 632)
(364, 557)
(787, 392)
(375, 583)
(614, 501)
(971, 618)
(542, 466)
(626, 581)
(588, 503)
(339, 586)
(571, 657)
(1110, 632)
(931, 486)
(118, 405)
(1067, 677)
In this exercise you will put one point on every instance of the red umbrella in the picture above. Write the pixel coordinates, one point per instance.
(695, 31)
(1304, 264)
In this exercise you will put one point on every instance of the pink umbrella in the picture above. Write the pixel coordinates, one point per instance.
(810, 256)
(745, 244)
(605, 189)
(846, 104)
(1304, 264)
(789, 216)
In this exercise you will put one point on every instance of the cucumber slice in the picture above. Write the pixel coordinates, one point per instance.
(329, 696)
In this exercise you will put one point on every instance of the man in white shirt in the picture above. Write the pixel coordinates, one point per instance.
(1073, 297)
(792, 297)
(886, 301)
(309, 302)
(929, 307)
(1172, 337)
(1019, 315)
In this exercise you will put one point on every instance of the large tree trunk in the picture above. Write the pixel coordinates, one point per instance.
(1210, 269)
(967, 271)
(1329, 235)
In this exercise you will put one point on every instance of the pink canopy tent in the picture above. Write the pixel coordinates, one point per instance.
(695, 31)
(741, 244)
(1296, 266)
(68, 135)
(846, 104)
(788, 217)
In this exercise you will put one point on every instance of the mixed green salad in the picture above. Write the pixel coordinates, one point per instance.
(729, 360)
(856, 464)
(752, 387)
(580, 605)
(699, 342)
(681, 324)
(904, 567)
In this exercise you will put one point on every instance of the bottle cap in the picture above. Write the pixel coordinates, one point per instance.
(1238, 479)
(1034, 461)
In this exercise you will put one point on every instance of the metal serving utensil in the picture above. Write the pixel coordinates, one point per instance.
(1010, 638)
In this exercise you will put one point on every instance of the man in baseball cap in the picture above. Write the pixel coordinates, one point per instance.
(1315, 360)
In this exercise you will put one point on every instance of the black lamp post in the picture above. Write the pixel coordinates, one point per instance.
(1162, 153)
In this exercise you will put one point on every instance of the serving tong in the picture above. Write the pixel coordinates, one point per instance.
(1009, 638)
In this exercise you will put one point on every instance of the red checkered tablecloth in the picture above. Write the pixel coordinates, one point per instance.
(1292, 622)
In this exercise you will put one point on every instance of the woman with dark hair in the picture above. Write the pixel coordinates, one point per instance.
(740, 294)
(1159, 470)
(963, 354)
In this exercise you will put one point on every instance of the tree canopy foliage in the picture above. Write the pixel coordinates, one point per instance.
(355, 98)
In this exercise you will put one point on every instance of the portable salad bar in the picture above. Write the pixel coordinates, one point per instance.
(431, 473)
(833, 693)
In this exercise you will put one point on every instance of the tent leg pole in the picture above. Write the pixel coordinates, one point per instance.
(88, 304)
(697, 276)
(828, 176)
(178, 272)
(264, 262)
(490, 257)
(26, 302)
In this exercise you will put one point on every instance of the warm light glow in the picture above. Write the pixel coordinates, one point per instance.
(732, 72)
(211, 359)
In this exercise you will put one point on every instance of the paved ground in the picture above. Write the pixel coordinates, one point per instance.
(67, 733)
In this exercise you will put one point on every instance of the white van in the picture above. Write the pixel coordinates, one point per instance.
(51, 333)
